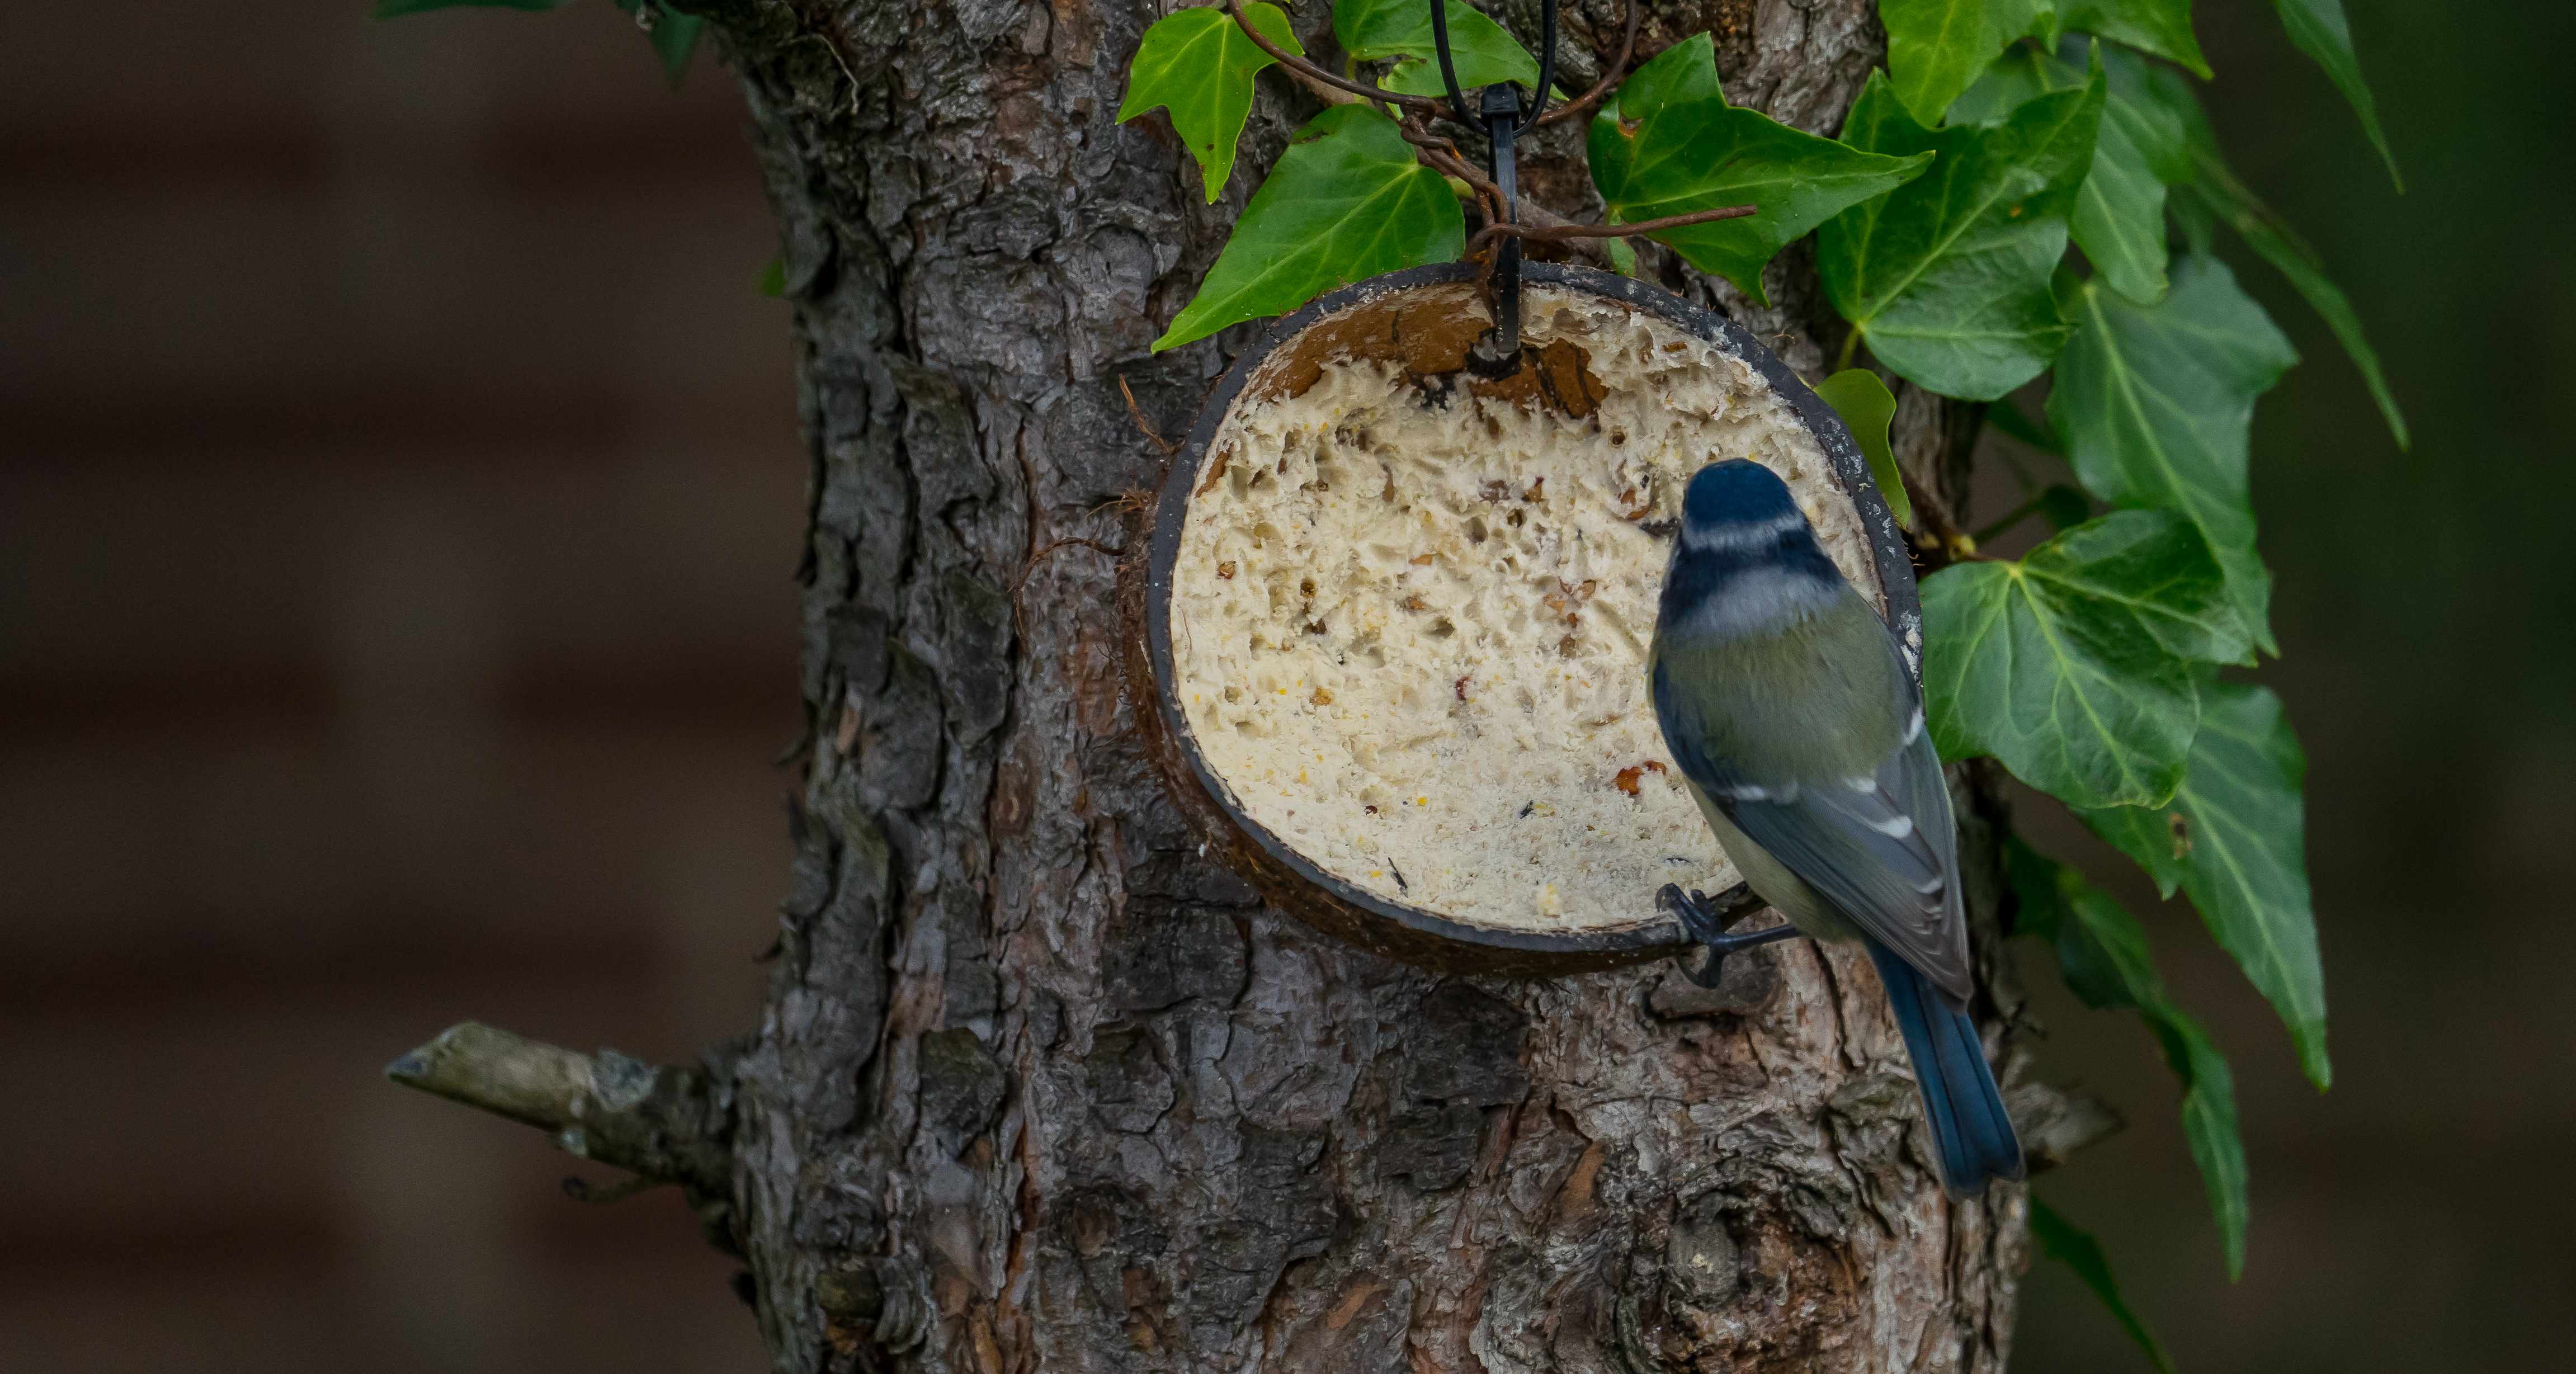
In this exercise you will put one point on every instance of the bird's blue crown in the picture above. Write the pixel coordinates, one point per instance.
(1735, 494)
(1746, 555)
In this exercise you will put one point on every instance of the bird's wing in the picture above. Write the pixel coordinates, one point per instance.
(1879, 845)
(1879, 848)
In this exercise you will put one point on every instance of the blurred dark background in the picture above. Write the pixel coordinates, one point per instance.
(399, 490)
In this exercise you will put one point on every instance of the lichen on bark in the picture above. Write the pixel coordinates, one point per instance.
(1040, 1088)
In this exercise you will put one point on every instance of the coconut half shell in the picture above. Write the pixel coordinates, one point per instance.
(1394, 615)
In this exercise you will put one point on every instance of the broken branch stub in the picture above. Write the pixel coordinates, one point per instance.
(661, 1122)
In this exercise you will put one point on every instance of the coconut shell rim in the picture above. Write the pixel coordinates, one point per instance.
(1419, 930)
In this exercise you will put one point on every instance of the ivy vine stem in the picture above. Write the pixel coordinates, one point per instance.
(1415, 104)
(1552, 233)
(1441, 154)
(1570, 233)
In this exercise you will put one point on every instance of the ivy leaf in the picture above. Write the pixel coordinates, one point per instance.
(1867, 407)
(1936, 48)
(2155, 129)
(2273, 242)
(675, 39)
(1199, 64)
(1346, 201)
(2212, 191)
(2159, 838)
(2161, 27)
(2119, 218)
(2103, 952)
(2073, 666)
(2317, 28)
(1947, 276)
(2028, 19)
(2233, 838)
(2156, 402)
(394, 9)
(2072, 1246)
(1668, 143)
(1483, 52)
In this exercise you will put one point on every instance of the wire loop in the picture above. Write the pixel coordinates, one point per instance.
(1504, 117)
(1525, 114)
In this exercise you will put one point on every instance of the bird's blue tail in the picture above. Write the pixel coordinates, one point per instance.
(1969, 1129)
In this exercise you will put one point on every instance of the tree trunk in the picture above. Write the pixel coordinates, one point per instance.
(1037, 1087)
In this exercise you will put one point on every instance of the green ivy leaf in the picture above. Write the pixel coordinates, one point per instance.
(1668, 143)
(2119, 218)
(1935, 48)
(1346, 201)
(2072, 1246)
(2156, 402)
(394, 9)
(2317, 28)
(2273, 242)
(1623, 259)
(1947, 276)
(2073, 666)
(1199, 64)
(2233, 838)
(2161, 27)
(1867, 407)
(773, 279)
(2103, 952)
(2028, 19)
(675, 40)
(2212, 191)
(2155, 130)
(1483, 52)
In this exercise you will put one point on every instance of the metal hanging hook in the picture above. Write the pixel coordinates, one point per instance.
(1504, 117)
(1526, 119)
(1499, 350)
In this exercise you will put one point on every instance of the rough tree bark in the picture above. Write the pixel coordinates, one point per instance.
(1038, 1088)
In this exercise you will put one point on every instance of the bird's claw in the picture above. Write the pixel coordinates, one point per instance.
(1699, 916)
(1694, 911)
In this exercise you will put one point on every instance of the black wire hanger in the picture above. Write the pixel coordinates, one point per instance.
(1505, 117)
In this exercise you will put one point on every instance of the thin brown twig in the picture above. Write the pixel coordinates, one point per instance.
(1146, 427)
(1631, 227)
(1330, 95)
(1571, 233)
(1442, 156)
(1421, 104)
(1610, 74)
(1038, 555)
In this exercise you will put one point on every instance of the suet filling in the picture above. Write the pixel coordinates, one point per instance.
(1410, 623)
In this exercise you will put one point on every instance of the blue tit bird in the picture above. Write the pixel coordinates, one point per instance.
(1790, 711)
